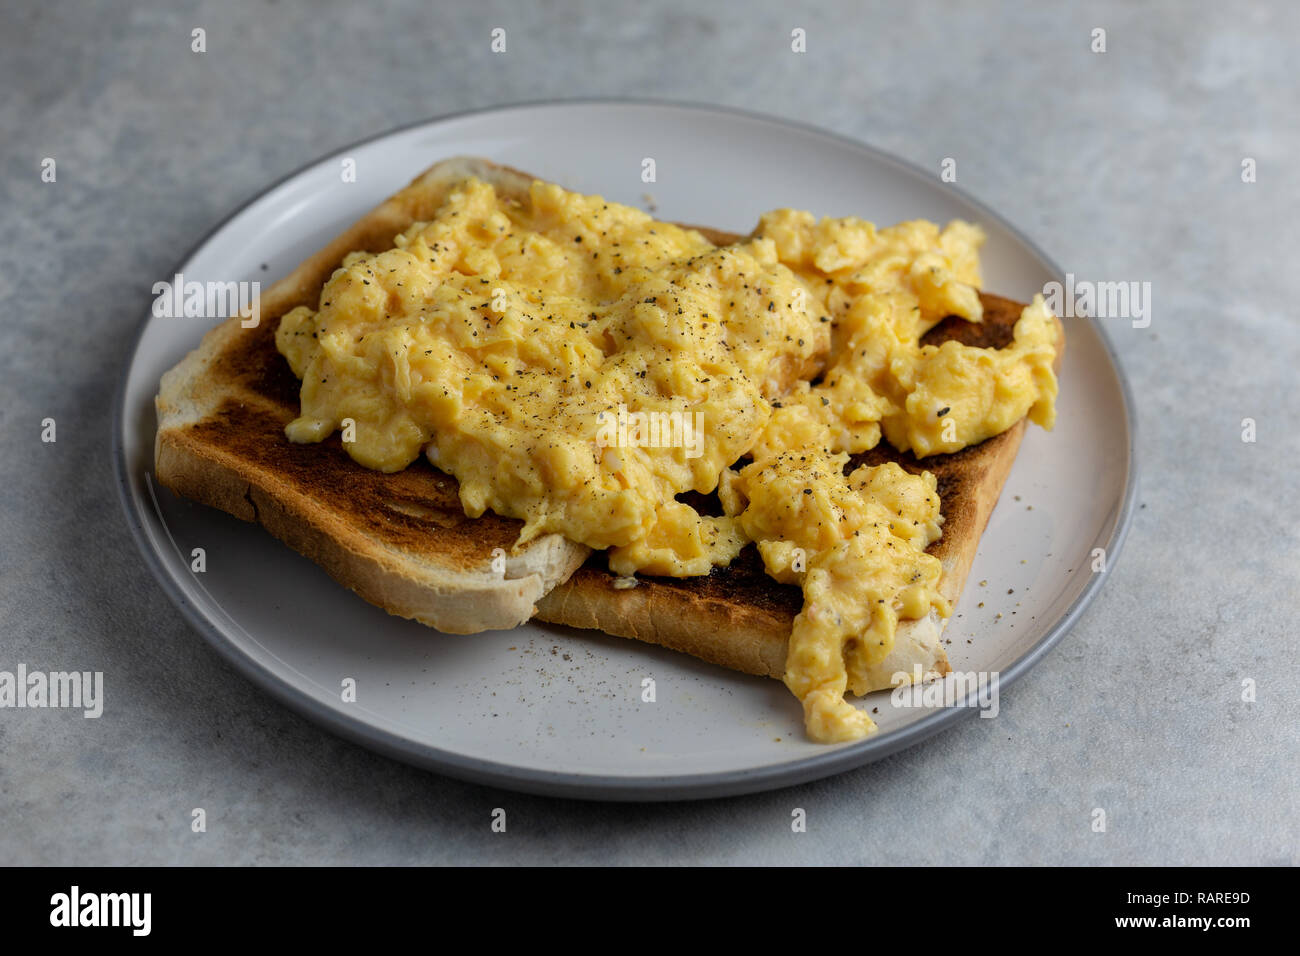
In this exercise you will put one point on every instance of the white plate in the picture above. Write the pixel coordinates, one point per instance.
(553, 710)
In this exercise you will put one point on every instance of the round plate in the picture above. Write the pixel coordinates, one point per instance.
(552, 710)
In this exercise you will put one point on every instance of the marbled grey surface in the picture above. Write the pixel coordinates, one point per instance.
(1123, 165)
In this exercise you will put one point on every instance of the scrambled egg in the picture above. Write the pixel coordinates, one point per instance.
(577, 364)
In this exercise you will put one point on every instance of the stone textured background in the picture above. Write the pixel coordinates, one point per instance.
(1125, 165)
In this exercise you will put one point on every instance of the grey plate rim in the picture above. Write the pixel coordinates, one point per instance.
(595, 786)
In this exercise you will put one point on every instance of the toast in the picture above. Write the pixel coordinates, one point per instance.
(402, 541)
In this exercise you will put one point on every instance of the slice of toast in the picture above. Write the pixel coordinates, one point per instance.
(740, 618)
(402, 541)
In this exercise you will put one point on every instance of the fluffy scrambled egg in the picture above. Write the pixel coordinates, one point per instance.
(577, 364)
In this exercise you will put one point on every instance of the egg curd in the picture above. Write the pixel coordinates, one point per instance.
(500, 337)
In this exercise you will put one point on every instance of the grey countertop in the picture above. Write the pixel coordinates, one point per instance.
(1125, 164)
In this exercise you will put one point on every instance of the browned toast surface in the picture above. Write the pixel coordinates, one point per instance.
(366, 527)
(401, 541)
(738, 616)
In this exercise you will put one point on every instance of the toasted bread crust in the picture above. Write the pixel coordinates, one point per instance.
(402, 541)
